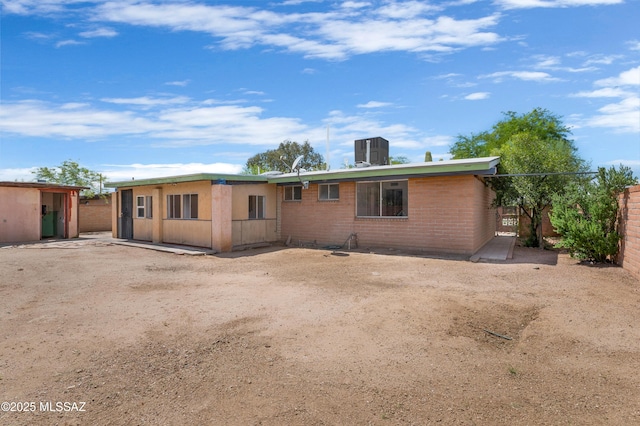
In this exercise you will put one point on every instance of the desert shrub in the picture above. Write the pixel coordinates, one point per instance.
(586, 215)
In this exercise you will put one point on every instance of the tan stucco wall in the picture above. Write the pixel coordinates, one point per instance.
(115, 211)
(250, 231)
(159, 228)
(20, 218)
(240, 200)
(74, 220)
(221, 232)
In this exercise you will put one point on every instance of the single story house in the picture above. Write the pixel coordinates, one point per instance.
(30, 211)
(443, 206)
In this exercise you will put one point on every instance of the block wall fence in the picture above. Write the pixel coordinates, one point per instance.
(94, 214)
(629, 226)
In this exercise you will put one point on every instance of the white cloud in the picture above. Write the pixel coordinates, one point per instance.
(622, 116)
(354, 4)
(124, 172)
(438, 140)
(181, 83)
(601, 60)
(626, 78)
(347, 128)
(477, 96)
(554, 63)
(405, 10)
(374, 104)
(609, 92)
(173, 125)
(334, 34)
(529, 4)
(147, 101)
(17, 174)
(520, 75)
(34, 35)
(69, 43)
(29, 7)
(99, 32)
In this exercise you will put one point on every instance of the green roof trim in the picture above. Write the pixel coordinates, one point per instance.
(478, 166)
(221, 177)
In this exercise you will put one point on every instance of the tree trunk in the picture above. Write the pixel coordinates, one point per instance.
(535, 229)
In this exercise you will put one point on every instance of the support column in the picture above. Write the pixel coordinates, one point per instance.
(157, 211)
(115, 210)
(221, 225)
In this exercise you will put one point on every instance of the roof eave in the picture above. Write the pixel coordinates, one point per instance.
(213, 177)
(479, 166)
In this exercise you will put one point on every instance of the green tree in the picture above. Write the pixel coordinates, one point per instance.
(535, 149)
(399, 159)
(586, 215)
(283, 157)
(71, 173)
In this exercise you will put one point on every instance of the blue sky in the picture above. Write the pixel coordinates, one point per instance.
(157, 88)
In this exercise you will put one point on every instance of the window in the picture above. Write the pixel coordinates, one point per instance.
(329, 191)
(382, 199)
(173, 206)
(187, 209)
(257, 206)
(292, 193)
(140, 206)
(190, 206)
(149, 206)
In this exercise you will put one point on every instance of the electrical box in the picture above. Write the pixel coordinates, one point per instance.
(378, 149)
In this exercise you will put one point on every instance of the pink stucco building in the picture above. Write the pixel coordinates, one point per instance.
(31, 211)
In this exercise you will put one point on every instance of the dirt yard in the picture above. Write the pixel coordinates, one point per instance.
(94, 333)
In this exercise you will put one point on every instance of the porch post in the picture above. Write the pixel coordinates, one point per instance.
(221, 238)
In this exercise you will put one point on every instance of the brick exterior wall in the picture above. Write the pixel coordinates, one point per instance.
(95, 214)
(629, 227)
(449, 214)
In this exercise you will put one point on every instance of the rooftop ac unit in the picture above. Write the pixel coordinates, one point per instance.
(372, 151)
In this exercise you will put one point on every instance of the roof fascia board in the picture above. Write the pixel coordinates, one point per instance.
(480, 166)
(43, 186)
(489, 173)
(214, 178)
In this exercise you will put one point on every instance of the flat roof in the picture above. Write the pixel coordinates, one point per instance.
(43, 185)
(214, 177)
(475, 166)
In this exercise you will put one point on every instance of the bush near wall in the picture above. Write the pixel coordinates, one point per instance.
(94, 214)
(629, 228)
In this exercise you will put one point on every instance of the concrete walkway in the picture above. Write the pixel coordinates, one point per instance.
(167, 248)
(498, 248)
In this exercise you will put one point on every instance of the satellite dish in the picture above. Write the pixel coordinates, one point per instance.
(295, 163)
